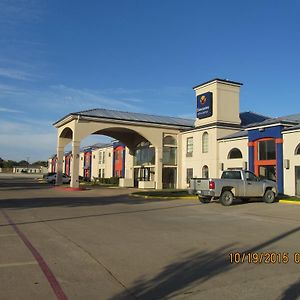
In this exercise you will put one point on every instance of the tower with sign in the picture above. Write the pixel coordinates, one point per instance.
(217, 102)
(217, 115)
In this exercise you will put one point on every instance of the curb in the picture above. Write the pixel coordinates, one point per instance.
(289, 202)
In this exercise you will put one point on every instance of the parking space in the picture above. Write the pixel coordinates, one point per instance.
(103, 244)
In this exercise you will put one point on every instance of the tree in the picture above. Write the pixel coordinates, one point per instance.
(41, 163)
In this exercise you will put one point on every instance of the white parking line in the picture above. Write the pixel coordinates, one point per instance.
(18, 264)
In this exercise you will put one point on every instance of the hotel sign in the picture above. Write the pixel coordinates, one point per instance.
(204, 105)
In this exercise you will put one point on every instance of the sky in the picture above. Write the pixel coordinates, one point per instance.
(61, 56)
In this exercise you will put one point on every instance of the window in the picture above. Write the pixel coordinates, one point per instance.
(170, 151)
(297, 151)
(266, 150)
(189, 147)
(235, 153)
(169, 140)
(205, 172)
(250, 176)
(189, 174)
(103, 157)
(170, 155)
(100, 157)
(205, 142)
(144, 154)
(231, 175)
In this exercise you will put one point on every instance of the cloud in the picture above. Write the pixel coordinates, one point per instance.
(15, 11)
(15, 74)
(81, 98)
(23, 137)
(4, 109)
(36, 146)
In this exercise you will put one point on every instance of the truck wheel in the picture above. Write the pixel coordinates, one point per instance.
(226, 198)
(269, 196)
(204, 200)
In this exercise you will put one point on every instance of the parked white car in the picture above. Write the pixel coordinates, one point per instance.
(52, 178)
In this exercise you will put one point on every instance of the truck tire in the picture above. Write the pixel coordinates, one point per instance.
(269, 196)
(226, 198)
(204, 200)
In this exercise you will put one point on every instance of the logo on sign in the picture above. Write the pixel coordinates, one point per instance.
(204, 105)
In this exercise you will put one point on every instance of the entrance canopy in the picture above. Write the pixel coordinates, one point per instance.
(129, 128)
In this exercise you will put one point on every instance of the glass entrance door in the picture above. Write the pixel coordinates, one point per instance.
(265, 158)
(169, 177)
(267, 172)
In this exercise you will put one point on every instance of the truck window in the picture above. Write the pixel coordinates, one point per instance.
(231, 175)
(250, 176)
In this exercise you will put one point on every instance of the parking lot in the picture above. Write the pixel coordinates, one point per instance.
(104, 244)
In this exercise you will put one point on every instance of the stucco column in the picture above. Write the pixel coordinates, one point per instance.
(59, 164)
(75, 164)
(158, 167)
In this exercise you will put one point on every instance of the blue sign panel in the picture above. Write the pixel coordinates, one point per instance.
(204, 105)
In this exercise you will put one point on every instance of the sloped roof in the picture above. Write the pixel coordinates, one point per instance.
(239, 134)
(292, 128)
(290, 119)
(250, 117)
(102, 113)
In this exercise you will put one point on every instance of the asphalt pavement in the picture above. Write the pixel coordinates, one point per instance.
(103, 244)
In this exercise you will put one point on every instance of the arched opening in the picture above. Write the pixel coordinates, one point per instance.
(297, 150)
(205, 142)
(235, 153)
(169, 141)
(105, 161)
(141, 151)
(205, 172)
(67, 133)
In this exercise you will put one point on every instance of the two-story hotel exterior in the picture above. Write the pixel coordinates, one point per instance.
(164, 152)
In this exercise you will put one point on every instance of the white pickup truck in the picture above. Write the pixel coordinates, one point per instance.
(233, 184)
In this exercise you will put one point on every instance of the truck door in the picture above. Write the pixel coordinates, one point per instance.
(253, 187)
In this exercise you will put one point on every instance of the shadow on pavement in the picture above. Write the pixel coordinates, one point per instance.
(178, 278)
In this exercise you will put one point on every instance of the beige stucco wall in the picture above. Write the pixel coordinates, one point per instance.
(224, 148)
(290, 142)
(199, 159)
(108, 162)
(128, 164)
(81, 163)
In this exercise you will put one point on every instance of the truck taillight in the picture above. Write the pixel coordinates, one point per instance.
(211, 185)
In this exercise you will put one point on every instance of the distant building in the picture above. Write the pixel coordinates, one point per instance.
(32, 169)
